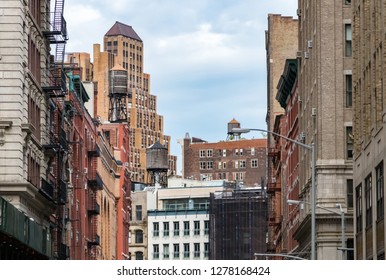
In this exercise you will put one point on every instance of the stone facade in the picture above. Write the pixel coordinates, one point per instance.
(24, 54)
(325, 118)
(369, 128)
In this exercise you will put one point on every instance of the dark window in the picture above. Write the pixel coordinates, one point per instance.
(138, 212)
(348, 38)
(349, 142)
(380, 191)
(156, 229)
(138, 236)
(186, 228)
(350, 198)
(368, 201)
(138, 255)
(348, 91)
(358, 201)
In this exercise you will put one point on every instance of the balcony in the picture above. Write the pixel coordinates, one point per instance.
(63, 252)
(95, 181)
(94, 241)
(56, 82)
(57, 32)
(93, 150)
(94, 209)
(273, 187)
(47, 190)
(273, 152)
(62, 193)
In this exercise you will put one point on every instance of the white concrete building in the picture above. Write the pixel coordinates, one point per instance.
(178, 225)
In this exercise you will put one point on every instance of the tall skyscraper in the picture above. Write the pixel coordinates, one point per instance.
(123, 51)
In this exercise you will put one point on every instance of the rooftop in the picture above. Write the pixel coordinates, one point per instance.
(120, 28)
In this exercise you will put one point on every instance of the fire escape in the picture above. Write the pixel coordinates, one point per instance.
(54, 187)
(274, 197)
(95, 184)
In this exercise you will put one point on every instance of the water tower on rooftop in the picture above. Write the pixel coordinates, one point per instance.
(157, 164)
(232, 135)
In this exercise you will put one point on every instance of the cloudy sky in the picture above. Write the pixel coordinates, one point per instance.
(206, 58)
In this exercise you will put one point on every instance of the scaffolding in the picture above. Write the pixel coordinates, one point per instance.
(238, 224)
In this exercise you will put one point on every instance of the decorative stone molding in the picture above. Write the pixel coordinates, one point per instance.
(3, 126)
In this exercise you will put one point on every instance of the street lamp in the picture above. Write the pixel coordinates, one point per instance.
(341, 213)
(313, 189)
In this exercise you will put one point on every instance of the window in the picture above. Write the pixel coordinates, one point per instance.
(206, 227)
(210, 165)
(368, 201)
(380, 191)
(236, 152)
(206, 250)
(224, 152)
(155, 251)
(358, 201)
(166, 251)
(196, 227)
(241, 152)
(186, 250)
(176, 226)
(224, 165)
(209, 153)
(196, 250)
(219, 165)
(202, 165)
(349, 142)
(202, 153)
(242, 164)
(156, 229)
(252, 151)
(350, 199)
(166, 228)
(176, 251)
(138, 212)
(347, 2)
(236, 164)
(138, 236)
(186, 228)
(138, 256)
(348, 91)
(254, 163)
(348, 37)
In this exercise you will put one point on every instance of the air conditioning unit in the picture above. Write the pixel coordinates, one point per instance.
(313, 112)
(299, 54)
(309, 44)
(306, 55)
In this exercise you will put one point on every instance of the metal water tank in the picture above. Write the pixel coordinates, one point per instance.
(118, 80)
(157, 157)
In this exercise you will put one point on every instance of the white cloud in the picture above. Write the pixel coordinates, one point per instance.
(206, 58)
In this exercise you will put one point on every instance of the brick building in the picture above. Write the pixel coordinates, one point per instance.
(239, 160)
